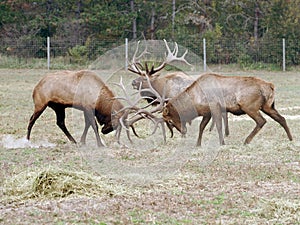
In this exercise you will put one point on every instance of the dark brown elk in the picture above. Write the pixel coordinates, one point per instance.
(82, 90)
(211, 94)
(168, 85)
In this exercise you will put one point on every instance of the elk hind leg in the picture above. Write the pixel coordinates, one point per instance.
(274, 114)
(36, 114)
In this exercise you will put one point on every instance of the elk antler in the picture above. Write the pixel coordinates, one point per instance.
(136, 66)
(133, 113)
(170, 56)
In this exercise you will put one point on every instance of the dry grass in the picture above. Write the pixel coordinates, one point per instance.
(50, 181)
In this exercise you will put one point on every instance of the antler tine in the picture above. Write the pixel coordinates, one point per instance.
(149, 114)
(183, 59)
(135, 65)
(132, 104)
(136, 51)
(172, 56)
(175, 51)
(162, 123)
(123, 125)
(169, 57)
(161, 99)
(133, 68)
(137, 58)
(133, 113)
(126, 97)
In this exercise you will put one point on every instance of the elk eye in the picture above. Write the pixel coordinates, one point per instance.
(165, 111)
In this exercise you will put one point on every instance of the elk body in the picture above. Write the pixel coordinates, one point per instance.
(211, 94)
(169, 85)
(82, 90)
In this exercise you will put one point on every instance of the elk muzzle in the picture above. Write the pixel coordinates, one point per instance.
(107, 128)
(136, 84)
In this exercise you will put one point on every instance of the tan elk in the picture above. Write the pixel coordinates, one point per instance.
(211, 94)
(168, 85)
(86, 91)
(82, 90)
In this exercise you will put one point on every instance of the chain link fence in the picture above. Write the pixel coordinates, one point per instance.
(31, 53)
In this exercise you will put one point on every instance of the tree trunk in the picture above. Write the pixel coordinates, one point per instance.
(152, 27)
(173, 18)
(78, 10)
(257, 12)
(49, 9)
(78, 28)
(133, 20)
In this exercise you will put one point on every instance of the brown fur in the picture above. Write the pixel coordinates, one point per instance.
(171, 85)
(211, 94)
(82, 90)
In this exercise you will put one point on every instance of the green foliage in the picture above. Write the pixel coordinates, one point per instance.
(97, 25)
(78, 54)
(6, 14)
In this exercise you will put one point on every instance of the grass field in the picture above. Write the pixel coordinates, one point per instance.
(51, 181)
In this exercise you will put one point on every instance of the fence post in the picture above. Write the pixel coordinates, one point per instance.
(283, 54)
(48, 53)
(126, 54)
(204, 55)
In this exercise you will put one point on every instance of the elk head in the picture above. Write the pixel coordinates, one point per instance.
(172, 117)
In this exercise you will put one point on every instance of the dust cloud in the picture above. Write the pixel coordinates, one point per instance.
(11, 142)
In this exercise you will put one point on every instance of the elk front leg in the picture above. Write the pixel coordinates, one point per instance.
(216, 111)
(91, 118)
(225, 119)
(212, 124)
(272, 112)
(86, 127)
(202, 126)
(60, 121)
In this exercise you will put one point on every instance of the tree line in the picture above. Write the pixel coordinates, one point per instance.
(79, 23)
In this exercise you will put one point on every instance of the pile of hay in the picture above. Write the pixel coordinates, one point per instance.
(56, 183)
(285, 211)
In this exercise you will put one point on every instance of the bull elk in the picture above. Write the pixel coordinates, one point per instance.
(211, 94)
(82, 90)
(169, 85)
